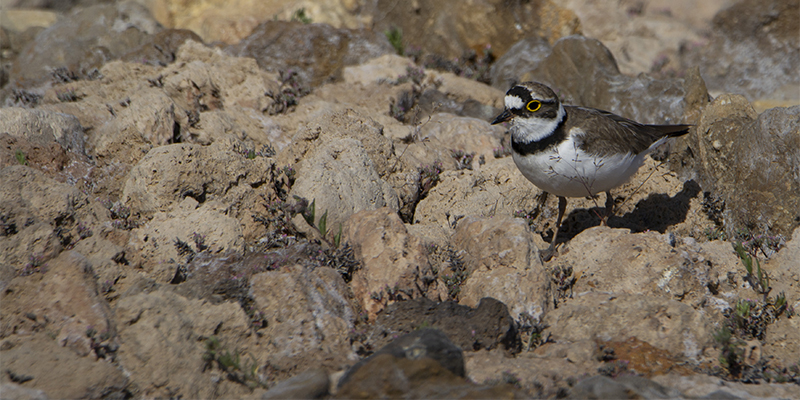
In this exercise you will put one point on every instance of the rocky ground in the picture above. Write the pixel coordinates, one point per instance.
(283, 199)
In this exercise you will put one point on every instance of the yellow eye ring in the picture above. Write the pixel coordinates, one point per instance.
(534, 105)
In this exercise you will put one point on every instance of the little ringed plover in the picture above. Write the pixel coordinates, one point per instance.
(574, 151)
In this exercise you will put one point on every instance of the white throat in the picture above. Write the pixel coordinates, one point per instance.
(527, 130)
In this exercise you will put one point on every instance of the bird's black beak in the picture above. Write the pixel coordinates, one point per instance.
(503, 117)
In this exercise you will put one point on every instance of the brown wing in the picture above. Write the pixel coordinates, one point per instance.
(614, 134)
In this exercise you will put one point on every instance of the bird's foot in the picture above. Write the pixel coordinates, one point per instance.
(548, 253)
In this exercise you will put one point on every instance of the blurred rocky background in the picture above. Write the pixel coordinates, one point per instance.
(305, 199)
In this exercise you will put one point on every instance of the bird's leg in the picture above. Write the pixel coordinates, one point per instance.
(609, 208)
(551, 251)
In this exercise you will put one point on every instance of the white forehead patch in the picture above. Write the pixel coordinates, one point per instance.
(513, 102)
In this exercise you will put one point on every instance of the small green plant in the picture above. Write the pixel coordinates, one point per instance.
(300, 16)
(528, 325)
(395, 37)
(231, 363)
(310, 211)
(337, 238)
(732, 351)
(251, 153)
(749, 319)
(424, 325)
(759, 280)
(322, 224)
(780, 304)
(743, 308)
(20, 156)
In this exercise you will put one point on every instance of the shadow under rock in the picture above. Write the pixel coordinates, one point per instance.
(655, 213)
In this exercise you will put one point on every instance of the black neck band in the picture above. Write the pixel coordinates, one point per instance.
(559, 134)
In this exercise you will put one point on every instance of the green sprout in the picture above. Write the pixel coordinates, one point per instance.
(424, 325)
(310, 211)
(300, 15)
(395, 37)
(743, 308)
(231, 363)
(20, 156)
(780, 303)
(337, 238)
(323, 224)
(758, 281)
(732, 355)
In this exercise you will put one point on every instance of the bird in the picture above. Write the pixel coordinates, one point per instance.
(573, 151)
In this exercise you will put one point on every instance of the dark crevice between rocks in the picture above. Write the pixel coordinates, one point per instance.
(200, 197)
(256, 185)
(63, 222)
(7, 225)
(176, 132)
(18, 378)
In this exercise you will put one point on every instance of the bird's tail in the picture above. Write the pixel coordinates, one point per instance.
(671, 130)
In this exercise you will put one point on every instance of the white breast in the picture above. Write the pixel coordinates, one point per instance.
(569, 172)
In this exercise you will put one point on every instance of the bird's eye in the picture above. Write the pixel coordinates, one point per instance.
(533, 105)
